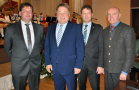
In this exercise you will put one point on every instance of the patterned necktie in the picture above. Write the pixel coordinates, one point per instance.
(29, 39)
(112, 27)
(59, 35)
(85, 33)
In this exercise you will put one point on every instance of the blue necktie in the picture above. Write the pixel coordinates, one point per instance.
(29, 39)
(85, 33)
(59, 35)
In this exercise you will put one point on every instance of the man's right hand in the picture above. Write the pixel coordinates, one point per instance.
(49, 68)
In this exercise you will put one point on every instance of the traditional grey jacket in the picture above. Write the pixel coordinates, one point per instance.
(119, 48)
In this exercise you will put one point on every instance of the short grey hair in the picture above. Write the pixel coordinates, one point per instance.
(62, 5)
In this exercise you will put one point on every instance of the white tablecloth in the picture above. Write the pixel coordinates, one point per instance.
(6, 83)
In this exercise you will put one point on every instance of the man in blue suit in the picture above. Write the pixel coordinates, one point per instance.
(64, 50)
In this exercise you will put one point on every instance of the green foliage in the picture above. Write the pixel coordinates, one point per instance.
(44, 71)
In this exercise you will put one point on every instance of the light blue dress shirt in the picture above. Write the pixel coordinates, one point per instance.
(115, 24)
(88, 30)
(58, 27)
(112, 29)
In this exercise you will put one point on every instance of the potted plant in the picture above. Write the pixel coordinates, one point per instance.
(43, 70)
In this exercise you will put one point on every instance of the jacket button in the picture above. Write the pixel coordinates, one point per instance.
(109, 61)
(109, 46)
(56, 62)
(57, 49)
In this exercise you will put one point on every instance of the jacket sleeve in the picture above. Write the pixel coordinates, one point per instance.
(42, 38)
(130, 46)
(8, 42)
(137, 46)
(47, 47)
(79, 48)
(100, 40)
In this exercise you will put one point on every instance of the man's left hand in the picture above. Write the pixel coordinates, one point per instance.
(100, 70)
(122, 76)
(77, 70)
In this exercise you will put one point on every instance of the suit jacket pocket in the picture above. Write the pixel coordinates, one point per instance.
(37, 58)
(72, 56)
(120, 38)
(121, 59)
(17, 60)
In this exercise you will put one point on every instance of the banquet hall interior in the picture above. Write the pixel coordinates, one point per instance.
(45, 14)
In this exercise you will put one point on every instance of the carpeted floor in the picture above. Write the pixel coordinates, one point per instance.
(3, 56)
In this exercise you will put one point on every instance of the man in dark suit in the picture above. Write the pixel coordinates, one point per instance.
(119, 49)
(23, 43)
(64, 49)
(93, 57)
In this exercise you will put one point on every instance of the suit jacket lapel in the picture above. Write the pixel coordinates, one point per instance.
(116, 32)
(54, 35)
(65, 34)
(90, 35)
(19, 28)
(35, 34)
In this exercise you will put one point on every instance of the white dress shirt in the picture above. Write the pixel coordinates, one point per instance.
(25, 32)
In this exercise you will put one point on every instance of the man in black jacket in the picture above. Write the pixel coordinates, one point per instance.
(93, 58)
(23, 43)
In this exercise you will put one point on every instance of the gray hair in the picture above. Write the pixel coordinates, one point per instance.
(62, 5)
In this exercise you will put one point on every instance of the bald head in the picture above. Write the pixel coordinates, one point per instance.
(114, 8)
(114, 15)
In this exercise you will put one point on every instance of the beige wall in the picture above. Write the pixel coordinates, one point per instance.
(44, 6)
(71, 5)
(88, 2)
(23, 1)
(100, 10)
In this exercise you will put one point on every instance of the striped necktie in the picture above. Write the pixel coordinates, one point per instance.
(59, 35)
(29, 39)
(85, 33)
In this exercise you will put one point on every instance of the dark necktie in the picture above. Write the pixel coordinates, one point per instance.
(29, 39)
(85, 33)
(112, 27)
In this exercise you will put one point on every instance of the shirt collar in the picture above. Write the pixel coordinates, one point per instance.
(115, 24)
(23, 23)
(64, 25)
(89, 24)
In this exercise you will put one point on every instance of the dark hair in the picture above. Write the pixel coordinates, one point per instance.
(26, 4)
(88, 7)
(0, 10)
(62, 5)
